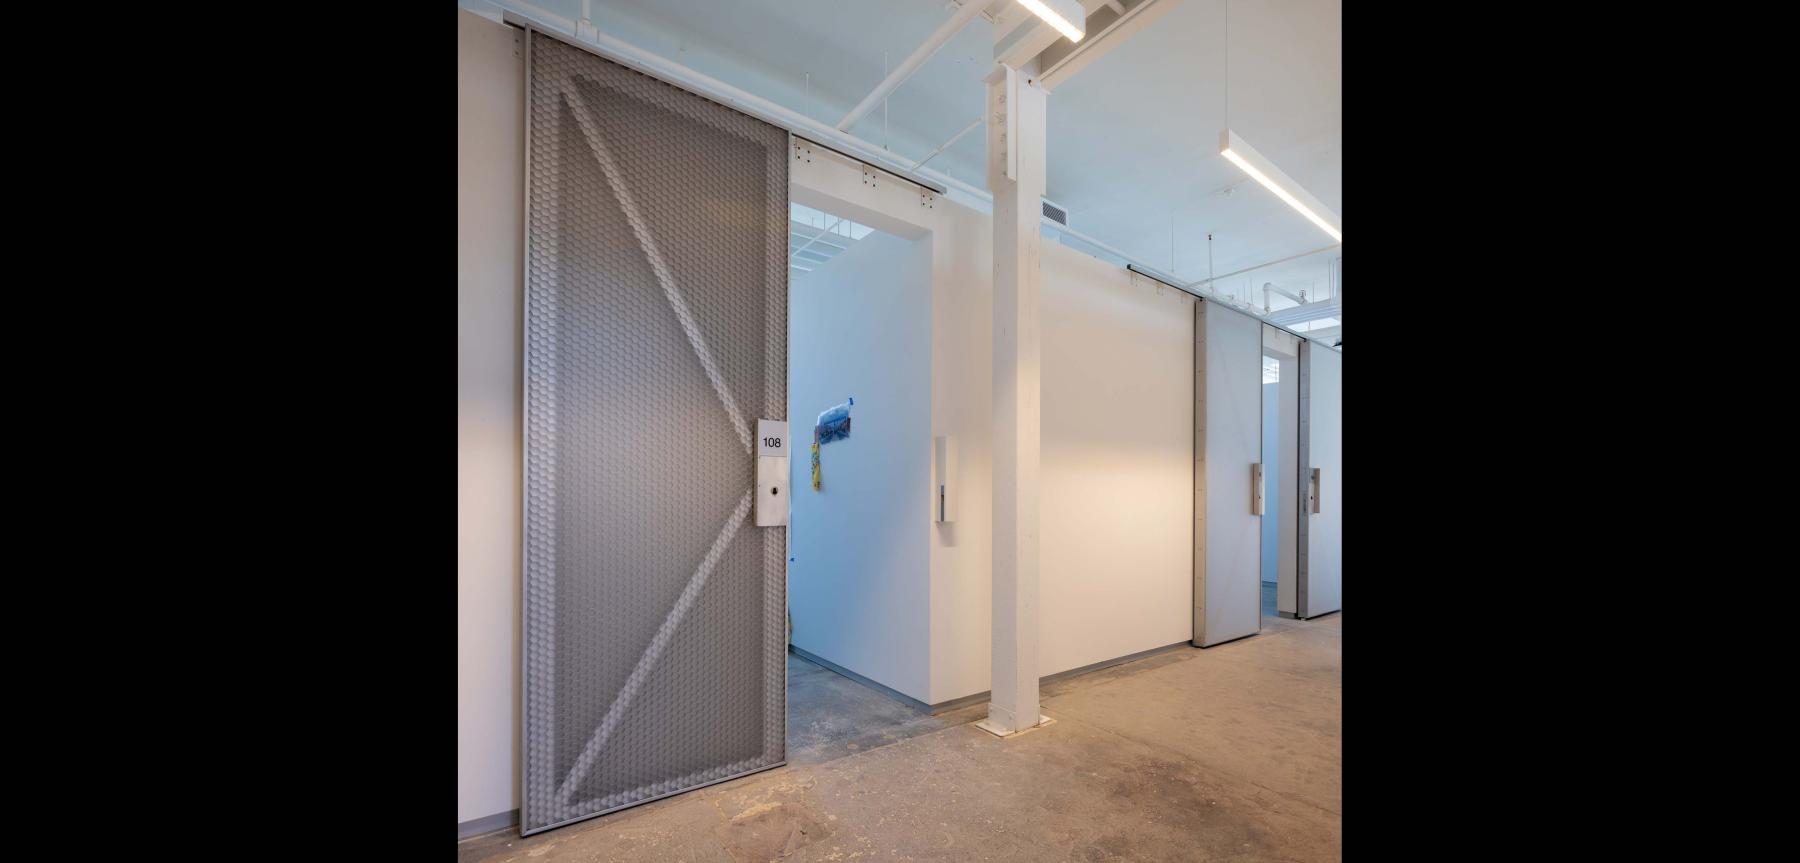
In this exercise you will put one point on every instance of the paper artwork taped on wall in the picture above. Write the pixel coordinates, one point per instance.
(833, 424)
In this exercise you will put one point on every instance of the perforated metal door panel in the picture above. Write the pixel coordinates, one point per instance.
(655, 338)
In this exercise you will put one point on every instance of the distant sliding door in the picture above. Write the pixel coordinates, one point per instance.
(1321, 480)
(1227, 474)
(655, 339)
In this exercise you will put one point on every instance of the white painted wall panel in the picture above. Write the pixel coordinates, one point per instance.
(1116, 502)
(962, 388)
(1325, 446)
(489, 192)
(1228, 589)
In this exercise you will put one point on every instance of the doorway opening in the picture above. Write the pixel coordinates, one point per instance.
(859, 388)
(1280, 458)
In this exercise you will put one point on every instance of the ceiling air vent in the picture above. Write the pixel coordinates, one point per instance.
(1055, 213)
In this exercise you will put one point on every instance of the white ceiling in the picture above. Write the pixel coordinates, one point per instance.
(1133, 139)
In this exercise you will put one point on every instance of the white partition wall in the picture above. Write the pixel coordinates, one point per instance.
(1116, 495)
(489, 284)
(1321, 479)
(1227, 444)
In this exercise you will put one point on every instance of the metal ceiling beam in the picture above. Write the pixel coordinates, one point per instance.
(1107, 30)
(945, 32)
(1021, 36)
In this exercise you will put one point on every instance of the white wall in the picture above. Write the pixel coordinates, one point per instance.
(858, 584)
(962, 391)
(488, 292)
(1116, 505)
(1110, 584)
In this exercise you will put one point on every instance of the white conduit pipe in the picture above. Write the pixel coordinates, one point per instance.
(1261, 265)
(953, 139)
(662, 68)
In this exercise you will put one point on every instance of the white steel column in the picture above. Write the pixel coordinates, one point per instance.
(1016, 131)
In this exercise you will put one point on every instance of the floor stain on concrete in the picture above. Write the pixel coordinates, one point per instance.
(1221, 754)
(770, 831)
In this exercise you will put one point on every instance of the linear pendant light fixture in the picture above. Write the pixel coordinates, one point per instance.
(1065, 15)
(1264, 171)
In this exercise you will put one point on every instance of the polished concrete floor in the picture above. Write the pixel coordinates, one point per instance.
(1233, 752)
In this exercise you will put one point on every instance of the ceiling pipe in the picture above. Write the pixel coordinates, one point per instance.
(1269, 287)
(1260, 266)
(953, 139)
(585, 27)
(1313, 311)
(619, 51)
(945, 32)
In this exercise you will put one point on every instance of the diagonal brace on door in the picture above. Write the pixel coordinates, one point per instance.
(641, 229)
(641, 672)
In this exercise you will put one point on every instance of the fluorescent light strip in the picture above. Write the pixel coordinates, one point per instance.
(1226, 150)
(1055, 19)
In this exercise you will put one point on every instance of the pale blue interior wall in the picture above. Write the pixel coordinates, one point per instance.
(859, 582)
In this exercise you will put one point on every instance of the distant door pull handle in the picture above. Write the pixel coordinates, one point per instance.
(1312, 491)
(1256, 489)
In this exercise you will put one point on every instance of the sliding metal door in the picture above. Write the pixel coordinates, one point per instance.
(1227, 475)
(655, 339)
(1321, 480)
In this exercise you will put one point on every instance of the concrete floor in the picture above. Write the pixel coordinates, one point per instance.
(1229, 752)
(831, 716)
